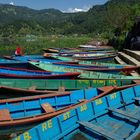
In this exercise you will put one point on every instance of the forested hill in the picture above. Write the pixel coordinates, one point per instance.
(115, 16)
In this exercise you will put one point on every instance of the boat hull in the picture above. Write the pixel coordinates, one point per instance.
(104, 118)
(101, 58)
(125, 70)
(41, 84)
(15, 107)
(17, 119)
(11, 92)
(18, 73)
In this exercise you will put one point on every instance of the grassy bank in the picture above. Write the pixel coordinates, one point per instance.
(34, 46)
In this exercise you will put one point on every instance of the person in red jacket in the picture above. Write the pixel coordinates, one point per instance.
(18, 51)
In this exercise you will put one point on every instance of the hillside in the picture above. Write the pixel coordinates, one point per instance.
(115, 16)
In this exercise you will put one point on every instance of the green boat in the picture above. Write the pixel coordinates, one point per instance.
(41, 84)
(84, 74)
(101, 64)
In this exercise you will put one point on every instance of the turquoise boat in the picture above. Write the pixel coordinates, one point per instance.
(26, 58)
(84, 74)
(125, 70)
(94, 63)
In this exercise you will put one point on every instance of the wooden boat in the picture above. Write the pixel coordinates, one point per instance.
(95, 45)
(3, 61)
(22, 113)
(88, 46)
(62, 58)
(96, 48)
(113, 117)
(18, 64)
(97, 58)
(52, 84)
(89, 58)
(61, 50)
(101, 63)
(8, 57)
(85, 54)
(52, 50)
(7, 72)
(15, 64)
(126, 70)
(26, 58)
(11, 92)
(94, 63)
(84, 74)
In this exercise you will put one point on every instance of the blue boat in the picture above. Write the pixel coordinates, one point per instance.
(113, 117)
(17, 64)
(8, 72)
(3, 61)
(20, 114)
(26, 58)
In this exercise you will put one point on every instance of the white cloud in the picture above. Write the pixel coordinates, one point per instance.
(12, 3)
(74, 10)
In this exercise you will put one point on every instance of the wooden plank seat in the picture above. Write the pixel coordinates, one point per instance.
(5, 115)
(47, 108)
(61, 89)
(97, 129)
(124, 113)
(32, 88)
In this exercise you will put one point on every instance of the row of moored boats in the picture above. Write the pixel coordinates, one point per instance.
(75, 93)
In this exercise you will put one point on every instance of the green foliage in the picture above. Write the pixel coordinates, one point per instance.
(99, 19)
(36, 45)
(110, 21)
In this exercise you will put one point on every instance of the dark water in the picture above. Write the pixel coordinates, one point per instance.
(78, 136)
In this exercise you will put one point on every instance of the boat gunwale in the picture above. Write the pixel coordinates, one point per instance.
(51, 95)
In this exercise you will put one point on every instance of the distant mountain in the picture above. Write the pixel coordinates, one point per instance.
(113, 16)
(9, 13)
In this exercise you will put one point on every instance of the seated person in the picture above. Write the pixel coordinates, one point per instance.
(18, 51)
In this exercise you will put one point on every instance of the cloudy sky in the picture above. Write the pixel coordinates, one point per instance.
(63, 5)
